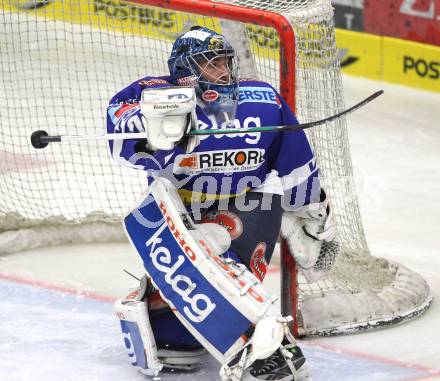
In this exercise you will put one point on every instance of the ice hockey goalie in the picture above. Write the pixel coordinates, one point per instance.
(207, 226)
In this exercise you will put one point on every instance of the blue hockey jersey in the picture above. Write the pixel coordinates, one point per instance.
(224, 165)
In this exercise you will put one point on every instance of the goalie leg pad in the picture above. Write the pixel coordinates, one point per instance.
(138, 335)
(141, 328)
(205, 291)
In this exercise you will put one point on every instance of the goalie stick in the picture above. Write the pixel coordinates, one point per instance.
(41, 139)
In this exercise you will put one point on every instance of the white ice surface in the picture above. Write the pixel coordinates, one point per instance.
(48, 332)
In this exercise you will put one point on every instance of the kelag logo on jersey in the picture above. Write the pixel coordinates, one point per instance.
(220, 161)
(249, 122)
(258, 95)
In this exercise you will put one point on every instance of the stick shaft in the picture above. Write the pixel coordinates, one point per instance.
(143, 135)
(289, 127)
(73, 138)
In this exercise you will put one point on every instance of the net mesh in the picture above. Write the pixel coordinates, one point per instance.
(61, 62)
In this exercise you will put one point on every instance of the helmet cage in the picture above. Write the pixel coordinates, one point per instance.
(201, 64)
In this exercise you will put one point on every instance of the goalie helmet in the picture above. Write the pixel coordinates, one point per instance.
(206, 60)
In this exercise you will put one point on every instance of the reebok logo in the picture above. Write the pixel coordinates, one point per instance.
(165, 107)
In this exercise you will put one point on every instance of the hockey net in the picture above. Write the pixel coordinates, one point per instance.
(61, 61)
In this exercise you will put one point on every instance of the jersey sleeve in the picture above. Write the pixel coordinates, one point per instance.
(294, 160)
(124, 115)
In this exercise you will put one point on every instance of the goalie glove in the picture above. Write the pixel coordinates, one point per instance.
(310, 233)
(169, 113)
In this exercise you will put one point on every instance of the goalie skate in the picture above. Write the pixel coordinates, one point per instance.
(286, 364)
(180, 359)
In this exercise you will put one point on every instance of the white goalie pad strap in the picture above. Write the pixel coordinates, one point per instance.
(169, 113)
(138, 335)
(217, 300)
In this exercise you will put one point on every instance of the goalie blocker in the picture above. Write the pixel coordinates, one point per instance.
(169, 114)
(222, 304)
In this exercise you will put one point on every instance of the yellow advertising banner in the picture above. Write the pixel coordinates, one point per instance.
(126, 17)
(360, 53)
(111, 15)
(389, 59)
(411, 64)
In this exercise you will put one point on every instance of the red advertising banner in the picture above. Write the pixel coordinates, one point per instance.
(416, 20)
